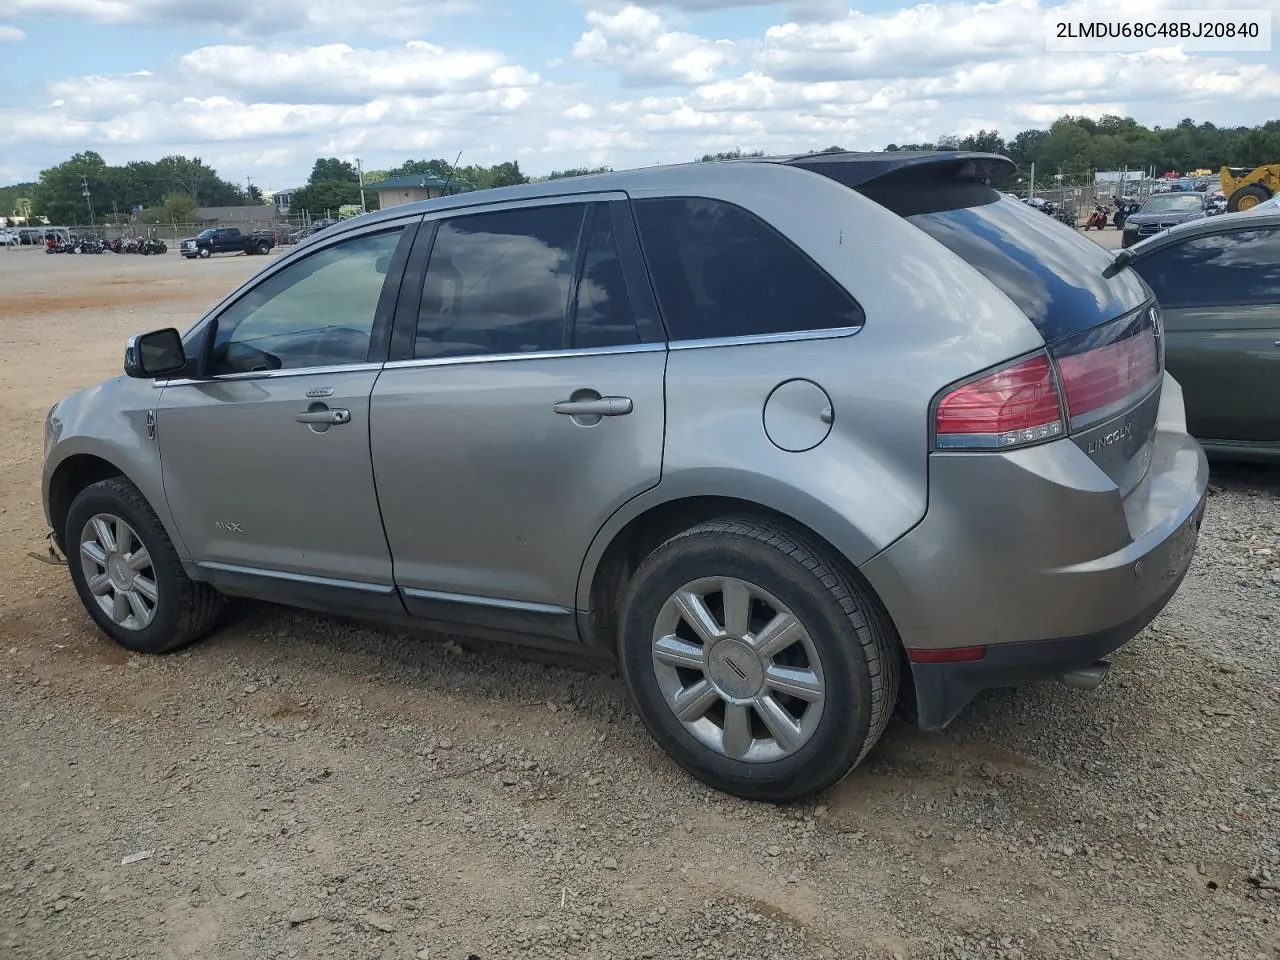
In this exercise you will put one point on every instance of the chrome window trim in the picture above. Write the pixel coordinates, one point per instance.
(272, 374)
(828, 333)
(531, 355)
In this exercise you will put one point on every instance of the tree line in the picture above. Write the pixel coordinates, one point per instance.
(173, 187)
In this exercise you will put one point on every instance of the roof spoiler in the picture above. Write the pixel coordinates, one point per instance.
(857, 170)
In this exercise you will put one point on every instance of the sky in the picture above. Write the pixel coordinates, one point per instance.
(260, 88)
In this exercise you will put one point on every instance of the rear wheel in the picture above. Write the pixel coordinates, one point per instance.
(129, 576)
(757, 662)
(1246, 198)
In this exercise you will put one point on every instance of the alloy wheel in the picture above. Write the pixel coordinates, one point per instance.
(119, 571)
(738, 669)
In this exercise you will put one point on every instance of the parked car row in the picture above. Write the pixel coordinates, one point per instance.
(792, 440)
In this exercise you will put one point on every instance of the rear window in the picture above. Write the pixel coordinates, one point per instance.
(1050, 271)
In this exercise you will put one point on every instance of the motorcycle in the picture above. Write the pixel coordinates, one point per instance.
(1098, 218)
(1124, 207)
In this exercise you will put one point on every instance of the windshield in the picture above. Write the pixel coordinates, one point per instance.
(1172, 203)
(204, 234)
(1050, 271)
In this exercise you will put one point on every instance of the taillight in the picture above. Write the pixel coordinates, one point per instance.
(1106, 370)
(1010, 407)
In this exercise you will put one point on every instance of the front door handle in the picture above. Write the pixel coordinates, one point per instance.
(324, 417)
(598, 407)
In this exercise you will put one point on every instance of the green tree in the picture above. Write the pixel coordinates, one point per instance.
(577, 172)
(324, 197)
(735, 154)
(177, 208)
(333, 169)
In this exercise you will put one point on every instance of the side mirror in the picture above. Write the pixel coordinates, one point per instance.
(154, 354)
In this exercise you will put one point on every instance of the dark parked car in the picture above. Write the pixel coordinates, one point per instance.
(226, 240)
(1161, 211)
(1218, 285)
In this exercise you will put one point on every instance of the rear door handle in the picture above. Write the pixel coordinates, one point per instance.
(599, 407)
(330, 417)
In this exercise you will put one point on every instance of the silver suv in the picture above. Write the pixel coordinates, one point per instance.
(783, 436)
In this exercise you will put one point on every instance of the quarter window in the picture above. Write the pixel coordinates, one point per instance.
(499, 282)
(720, 271)
(317, 312)
(1242, 266)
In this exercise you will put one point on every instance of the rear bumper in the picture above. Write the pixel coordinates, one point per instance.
(1036, 556)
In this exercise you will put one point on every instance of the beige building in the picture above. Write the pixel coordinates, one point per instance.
(412, 187)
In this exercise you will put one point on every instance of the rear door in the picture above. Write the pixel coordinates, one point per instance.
(526, 406)
(1220, 295)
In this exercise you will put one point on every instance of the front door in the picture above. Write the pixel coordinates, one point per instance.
(266, 462)
(529, 410)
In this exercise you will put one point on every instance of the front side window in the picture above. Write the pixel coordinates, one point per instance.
(317, 312)
(499, 282)
(1239, 267)
(720, 271)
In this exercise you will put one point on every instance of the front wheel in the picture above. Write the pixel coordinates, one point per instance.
(758, 663)
(263, 249)
(129, 576)
(204, 253)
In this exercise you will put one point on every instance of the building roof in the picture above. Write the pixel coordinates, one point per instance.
(419, 181)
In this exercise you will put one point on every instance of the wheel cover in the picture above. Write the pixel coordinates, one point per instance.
(738, 669)
(119, 572)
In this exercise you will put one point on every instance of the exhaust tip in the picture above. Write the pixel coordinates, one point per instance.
(1087, 678)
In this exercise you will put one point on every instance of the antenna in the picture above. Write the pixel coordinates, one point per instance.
(444, 191)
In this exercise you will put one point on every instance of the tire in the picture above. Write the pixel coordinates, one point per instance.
(204, 253)
(183, 610)
(856, 672)
(1246, 198)
(262, 249)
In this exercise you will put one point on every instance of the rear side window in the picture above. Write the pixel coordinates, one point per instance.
(499, 282)
(720, 271)
(1050, 271)
(1240, 267)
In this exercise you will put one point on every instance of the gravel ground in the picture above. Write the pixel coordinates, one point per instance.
(305, 787)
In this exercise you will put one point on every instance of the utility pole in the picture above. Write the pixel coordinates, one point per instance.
(360, 173)
(84, 184)
(249, 191)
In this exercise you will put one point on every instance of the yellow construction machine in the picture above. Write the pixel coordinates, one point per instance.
(1250, 189)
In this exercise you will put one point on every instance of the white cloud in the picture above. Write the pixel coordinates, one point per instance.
(10, 34)
(397, 18)
(337, 72)
(635, 42)
(641, 85)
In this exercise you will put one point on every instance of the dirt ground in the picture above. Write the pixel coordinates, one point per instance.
(314, 788)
